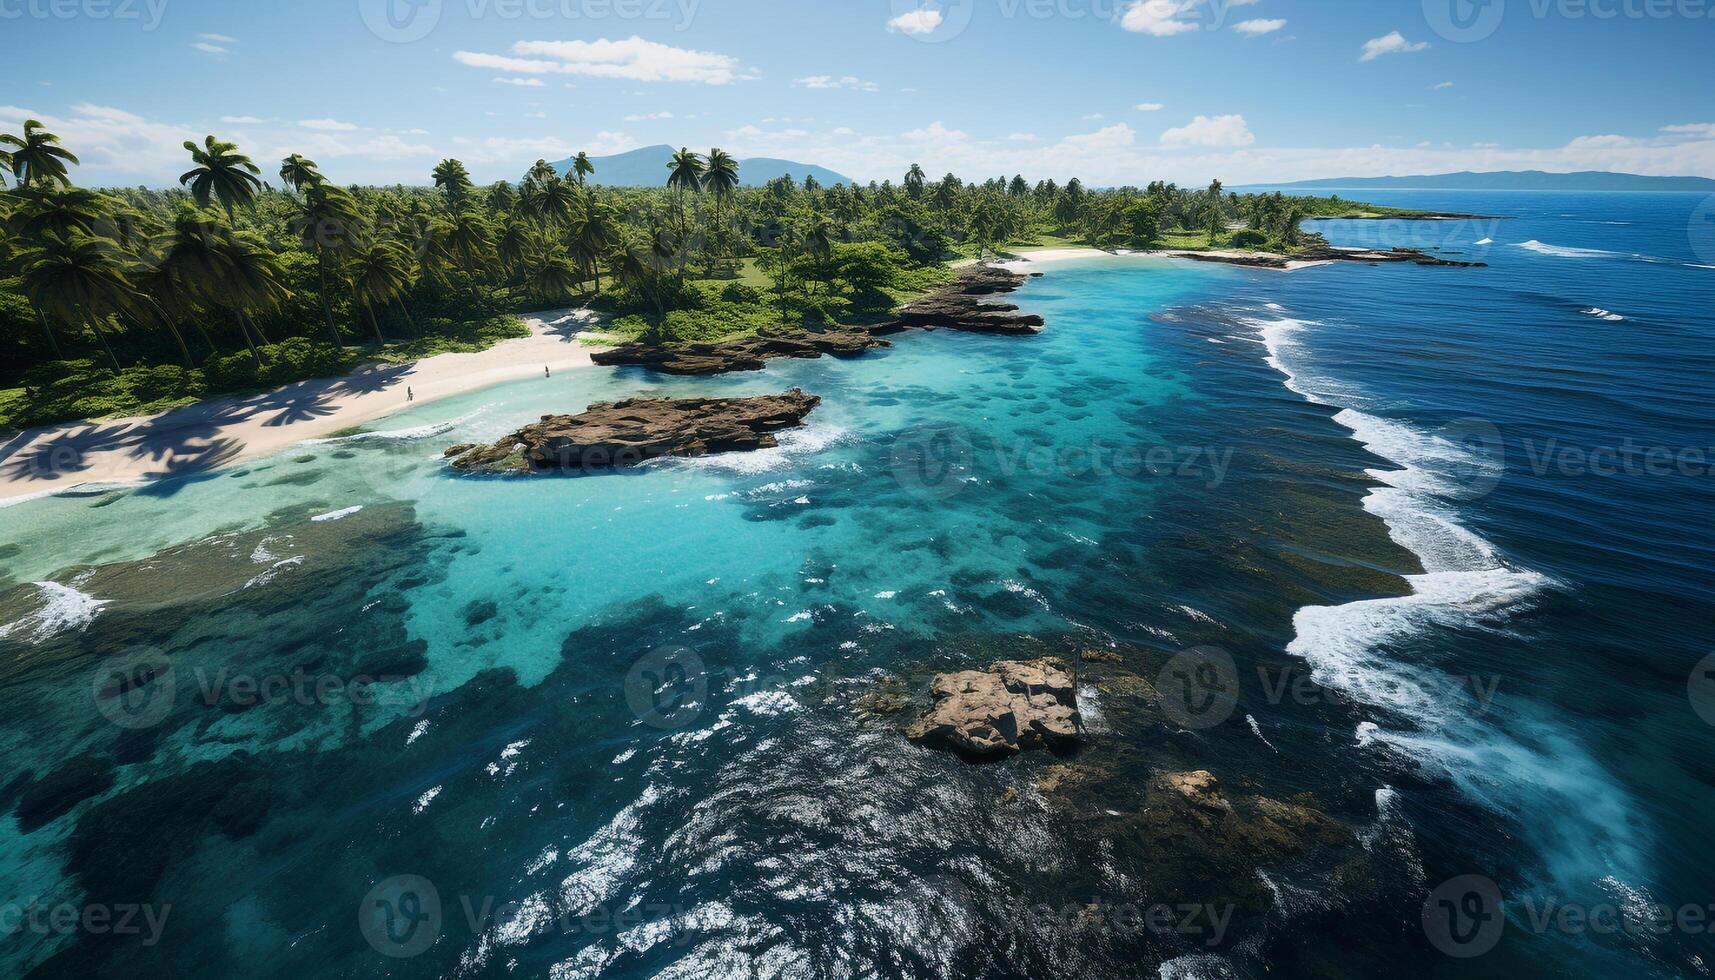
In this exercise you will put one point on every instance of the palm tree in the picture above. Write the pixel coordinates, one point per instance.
(721, 174)
(379, 273)
(326, 222)
(582, 167)
(915, 178)
(551, 274)
(685, 171)
(595, 237)
(5, 165)
(549, 200)
(253, 277)
(452, 177)
(36, 157)
(299, 172)
(221, 173)
(78, 280)
(511, 246)
(45, 210)
(471, 245)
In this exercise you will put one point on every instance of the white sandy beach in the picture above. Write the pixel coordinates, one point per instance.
(222, 431)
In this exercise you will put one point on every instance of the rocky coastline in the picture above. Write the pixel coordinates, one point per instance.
(610, 435)
(964, 306)
(745, 354)
(1278, 260)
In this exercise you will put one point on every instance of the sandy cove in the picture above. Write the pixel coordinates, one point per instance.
(225, 430)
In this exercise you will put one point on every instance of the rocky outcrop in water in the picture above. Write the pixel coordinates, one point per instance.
(617, 434)
(962, 306)
(744, 354)
(1276, 260)
(1011, 706)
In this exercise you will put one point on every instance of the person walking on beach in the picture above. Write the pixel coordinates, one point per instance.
(410, 396)
(546, 373)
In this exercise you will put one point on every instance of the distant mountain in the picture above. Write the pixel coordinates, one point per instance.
(647, 167)
(1518, 180)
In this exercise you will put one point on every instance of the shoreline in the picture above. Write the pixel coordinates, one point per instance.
(231, 429)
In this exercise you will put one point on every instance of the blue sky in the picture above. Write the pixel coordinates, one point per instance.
(1114, 91)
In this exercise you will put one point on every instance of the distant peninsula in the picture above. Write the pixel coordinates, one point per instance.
(1515, 180)
(647, 167)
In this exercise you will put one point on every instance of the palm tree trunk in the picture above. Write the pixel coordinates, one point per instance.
(327, 306)
(400, 300)
(374, 322)
(249, 342)
(172, 328)
(53, 341)
(95, 324)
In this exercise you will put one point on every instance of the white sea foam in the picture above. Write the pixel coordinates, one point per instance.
(1566, 252)
(1197, 966)
(336, 515)
(1602, 314)
(397, 435)
(1467, 584)
(794, 445)
(1484, 241)
(63, 610)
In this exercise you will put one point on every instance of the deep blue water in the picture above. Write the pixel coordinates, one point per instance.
(622, 735)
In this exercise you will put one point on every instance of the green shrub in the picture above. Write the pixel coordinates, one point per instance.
(1249, 238)
(738, 292)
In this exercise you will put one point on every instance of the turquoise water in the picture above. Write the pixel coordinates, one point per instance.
(618, 730)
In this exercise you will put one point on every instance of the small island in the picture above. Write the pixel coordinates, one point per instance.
(612, 435)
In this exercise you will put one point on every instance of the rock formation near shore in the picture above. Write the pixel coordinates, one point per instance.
(1013, 705)
(1276, 260)
(617, 434)
(962, 306)
(744, 354)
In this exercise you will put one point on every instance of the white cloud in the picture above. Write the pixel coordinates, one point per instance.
(1211, 131)
(241, 120)
(936, 132)
(1391, 43)
(1161, 18)
(1023, 137)
(633, 58)
(649, 116)
(521, 82)
(829, 81)
(217, 38)
(1704, 130)
(1149, 107)
(1255, 28)
(844, 131)
(207, 48)
(328, 125)
(923, 20)
(1092, 117)
(1587, 142)
(1110, 137)
(1442, 87)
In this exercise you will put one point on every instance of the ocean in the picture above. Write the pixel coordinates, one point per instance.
(1445, 536)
